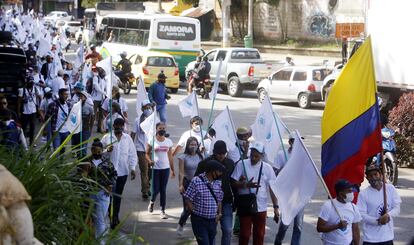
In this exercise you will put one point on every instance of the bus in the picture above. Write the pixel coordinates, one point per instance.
(177, 36)
(89, 25)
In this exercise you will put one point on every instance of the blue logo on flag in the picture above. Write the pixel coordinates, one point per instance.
(262, 120)
(188, 102)
(73, 119)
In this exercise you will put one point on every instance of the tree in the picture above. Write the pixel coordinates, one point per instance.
(89, 3)
(401, 119)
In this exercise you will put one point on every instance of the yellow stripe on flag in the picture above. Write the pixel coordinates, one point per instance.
(352, 93)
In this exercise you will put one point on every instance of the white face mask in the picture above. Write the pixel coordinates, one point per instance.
(349, 197)
(197, 128)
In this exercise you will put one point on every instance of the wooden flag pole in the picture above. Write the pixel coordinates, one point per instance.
(384, 187)
(277, 127)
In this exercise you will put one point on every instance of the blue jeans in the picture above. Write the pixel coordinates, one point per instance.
(76, 140)
(59, 139)
(100, 213)
(226, 223)
(204, 229)
(162, 111)
(185, 214)
(297, 230)
(160, 182)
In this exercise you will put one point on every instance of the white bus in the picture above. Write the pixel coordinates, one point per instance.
(178, 36)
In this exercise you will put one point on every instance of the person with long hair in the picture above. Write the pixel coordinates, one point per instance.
(188, 163)
(159, 155)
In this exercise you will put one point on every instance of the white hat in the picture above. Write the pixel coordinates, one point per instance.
(61, 72)
(258, 146)
(47, 90)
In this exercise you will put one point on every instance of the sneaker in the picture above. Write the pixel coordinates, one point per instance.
(180, 230)
(163, 215)
(151, 207)
(145, 196)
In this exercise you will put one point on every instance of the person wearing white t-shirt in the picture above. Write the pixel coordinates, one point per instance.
(58, 83)
(253, 176)
(121, 150)
(344, 229)
(28, 99)
(195, 131)
(378, 223)
(116, 97)
(98, 93)
(159, 155)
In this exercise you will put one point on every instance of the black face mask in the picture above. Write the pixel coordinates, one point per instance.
(162, 132)
(48, 95)
(30, 85)
(97, 156)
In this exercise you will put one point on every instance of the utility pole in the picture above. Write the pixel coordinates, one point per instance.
(225, 19)
(250, 20)
(160, 7)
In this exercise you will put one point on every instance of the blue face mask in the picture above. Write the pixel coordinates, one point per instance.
(147, 112)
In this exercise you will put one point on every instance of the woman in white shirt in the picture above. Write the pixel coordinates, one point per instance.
(159, 155)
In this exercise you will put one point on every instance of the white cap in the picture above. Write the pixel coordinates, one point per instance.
(258, 146)
(48, 90)
(61, 72)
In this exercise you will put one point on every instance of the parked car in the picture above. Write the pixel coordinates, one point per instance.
(294, 83)
(54, 16)
(242, 69)
(149, 64)
(13, 64)
(329, 81)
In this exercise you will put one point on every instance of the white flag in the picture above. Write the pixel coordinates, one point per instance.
(213, 92)
(188, 105)
(74, 119)
(292, 196)
(106, 64)
(148, 125)
(141, 95)
(265, 130)
(224, 129)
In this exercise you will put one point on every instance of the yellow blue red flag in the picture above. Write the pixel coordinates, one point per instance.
(351, 130)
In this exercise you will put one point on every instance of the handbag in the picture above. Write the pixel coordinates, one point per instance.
(247, 203)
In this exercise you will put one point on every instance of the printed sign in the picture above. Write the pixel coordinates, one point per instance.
(176, 31)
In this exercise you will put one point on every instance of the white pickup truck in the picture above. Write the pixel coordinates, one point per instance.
(242, 69)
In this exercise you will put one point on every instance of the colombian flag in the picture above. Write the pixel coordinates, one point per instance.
(351, 131)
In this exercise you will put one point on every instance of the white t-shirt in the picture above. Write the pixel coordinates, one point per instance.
(161, 153)
(44, 104)
(61, 117)
(30, 97)
(268, 175)
(350, 214)
(57, 84)
(122, 104)
(98, 88)
(371, 204)
(190, 133)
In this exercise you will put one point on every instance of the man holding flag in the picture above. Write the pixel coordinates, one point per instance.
(86, 118)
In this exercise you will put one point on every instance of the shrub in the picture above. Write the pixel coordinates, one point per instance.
(401, 119)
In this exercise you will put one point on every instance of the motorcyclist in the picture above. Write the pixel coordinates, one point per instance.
(123, 67)
(193, 77)
(203, 73)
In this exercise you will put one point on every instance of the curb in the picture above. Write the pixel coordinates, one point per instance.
(281, 49)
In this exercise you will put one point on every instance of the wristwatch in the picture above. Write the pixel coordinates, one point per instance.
(275, 206)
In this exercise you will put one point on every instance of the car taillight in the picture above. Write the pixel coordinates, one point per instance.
(251, 71)
(311, 87)
(176, 71)
(145, 70)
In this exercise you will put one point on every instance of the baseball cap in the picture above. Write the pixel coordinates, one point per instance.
(242, 130)
(79, 85)
(48, 90)
(60, 72)
(343, 184)
(220, 147)
(214, 165)
(372, 167)
(258, 146)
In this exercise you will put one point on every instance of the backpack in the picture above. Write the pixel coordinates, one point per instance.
(10, 135)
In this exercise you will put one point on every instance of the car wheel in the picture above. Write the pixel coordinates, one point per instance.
(261, 94)
(174, 90)
(304, 101)
(234, 87)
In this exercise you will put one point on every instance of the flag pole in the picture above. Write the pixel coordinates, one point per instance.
(201, 129)
(110, 102)
(319, 174)
(238, 145)
(81, 131)
(216, 82)
(277, 127)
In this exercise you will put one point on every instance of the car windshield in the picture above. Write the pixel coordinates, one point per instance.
(320, 74)
(52, 14)
(245, 54)
(160, 61)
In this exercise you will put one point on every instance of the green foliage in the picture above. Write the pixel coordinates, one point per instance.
(89, 3)
(60, 205)
(401, 119)
(274, 2)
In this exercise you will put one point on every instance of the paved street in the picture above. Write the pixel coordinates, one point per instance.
(153, 230)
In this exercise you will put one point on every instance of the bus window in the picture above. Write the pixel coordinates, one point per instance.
(120, 23)
(132, 24)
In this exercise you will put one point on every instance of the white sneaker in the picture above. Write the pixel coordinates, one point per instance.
(163, 215)
(180, 230)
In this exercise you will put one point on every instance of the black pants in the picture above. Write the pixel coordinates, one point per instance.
(29, 119)
(379, 243)
(118, 189)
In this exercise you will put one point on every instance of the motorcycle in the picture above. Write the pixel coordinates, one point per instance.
(125, 80)
(389, 149)
(201, 87)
